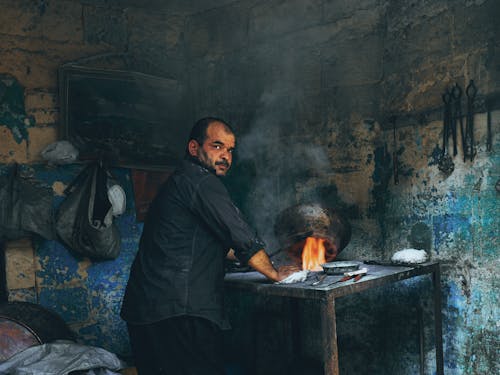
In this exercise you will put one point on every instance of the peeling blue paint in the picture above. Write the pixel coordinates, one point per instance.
(87, 294)
(57, 264)
(447, 225)
(71, 303)
(12, 112)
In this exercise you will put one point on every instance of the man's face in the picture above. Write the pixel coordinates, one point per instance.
(217, 150)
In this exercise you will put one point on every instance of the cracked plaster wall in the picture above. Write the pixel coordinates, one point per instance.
(36, 38)
(309, 86)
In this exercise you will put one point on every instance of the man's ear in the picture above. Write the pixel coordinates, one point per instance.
(193, 146)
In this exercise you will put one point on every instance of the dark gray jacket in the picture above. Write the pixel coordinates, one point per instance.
(179, 268)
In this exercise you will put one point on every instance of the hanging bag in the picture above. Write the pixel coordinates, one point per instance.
(84, 220)
(25, 208)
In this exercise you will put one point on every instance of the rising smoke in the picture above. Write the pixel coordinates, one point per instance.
(282, 152)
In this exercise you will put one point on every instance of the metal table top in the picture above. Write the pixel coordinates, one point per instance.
(377, 275)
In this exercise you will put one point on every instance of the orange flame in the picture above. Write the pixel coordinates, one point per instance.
(313, 254)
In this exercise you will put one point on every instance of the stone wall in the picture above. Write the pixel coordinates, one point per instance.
(36, 38)
(312, 88)
(315, 89)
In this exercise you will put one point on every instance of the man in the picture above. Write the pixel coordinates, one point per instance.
(173, 303)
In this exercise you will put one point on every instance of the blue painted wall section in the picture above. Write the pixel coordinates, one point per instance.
(86, 294)
(462, 213)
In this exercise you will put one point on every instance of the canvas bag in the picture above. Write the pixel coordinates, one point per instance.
(25, 208)
(84, 220)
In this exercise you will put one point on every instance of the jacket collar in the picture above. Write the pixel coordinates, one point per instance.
(196, 161)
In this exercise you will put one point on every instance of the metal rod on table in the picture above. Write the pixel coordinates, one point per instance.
(329, 336)
(438, 332)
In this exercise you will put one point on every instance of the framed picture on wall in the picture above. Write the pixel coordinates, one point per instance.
(128, 118)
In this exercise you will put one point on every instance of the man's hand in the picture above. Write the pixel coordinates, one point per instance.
(285, 271)
(261, 263)
(231, 255)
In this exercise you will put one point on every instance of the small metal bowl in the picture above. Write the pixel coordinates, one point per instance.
(338, 268)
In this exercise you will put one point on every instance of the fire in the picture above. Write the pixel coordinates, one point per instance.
(313, 254)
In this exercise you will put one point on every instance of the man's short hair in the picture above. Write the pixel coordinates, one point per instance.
(199, 130)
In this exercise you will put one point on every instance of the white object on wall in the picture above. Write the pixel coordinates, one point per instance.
(118, 199)
(61, 152)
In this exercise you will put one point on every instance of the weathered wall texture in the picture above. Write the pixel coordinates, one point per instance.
(310, 85)
(36, 38)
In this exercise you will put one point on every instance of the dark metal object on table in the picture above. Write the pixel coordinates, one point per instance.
(335, 268)
(354, 278)
(389, 263)
(445, 163)
(468, 145)
(339, 267)
(294, 224)
(320, 279)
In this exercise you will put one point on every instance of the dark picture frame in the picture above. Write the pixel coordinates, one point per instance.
(130, 119)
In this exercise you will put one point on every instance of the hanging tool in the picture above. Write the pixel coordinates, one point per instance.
(456, 96)
(445, 163)
(471, 92)
(394, 151)
(488, 126)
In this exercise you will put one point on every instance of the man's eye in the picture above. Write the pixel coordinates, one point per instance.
(217, 147)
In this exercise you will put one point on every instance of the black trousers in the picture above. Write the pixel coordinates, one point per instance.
(183, 345)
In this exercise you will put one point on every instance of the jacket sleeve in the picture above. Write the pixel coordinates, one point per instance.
(212, 203)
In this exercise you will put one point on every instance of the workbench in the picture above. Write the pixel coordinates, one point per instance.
(326, 295)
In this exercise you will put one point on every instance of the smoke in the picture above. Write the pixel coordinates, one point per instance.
(282, 153)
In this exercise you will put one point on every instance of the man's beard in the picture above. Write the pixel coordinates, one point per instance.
(222, 162)
(210, 164)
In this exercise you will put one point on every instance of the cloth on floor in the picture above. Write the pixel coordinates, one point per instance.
(60, 358)
(296, 277)
(410, 256)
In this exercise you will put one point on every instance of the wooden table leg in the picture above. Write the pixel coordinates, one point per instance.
(295, 329)
(329, 337)
(438, 332)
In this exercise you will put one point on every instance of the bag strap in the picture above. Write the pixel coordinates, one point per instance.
(79, 178)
